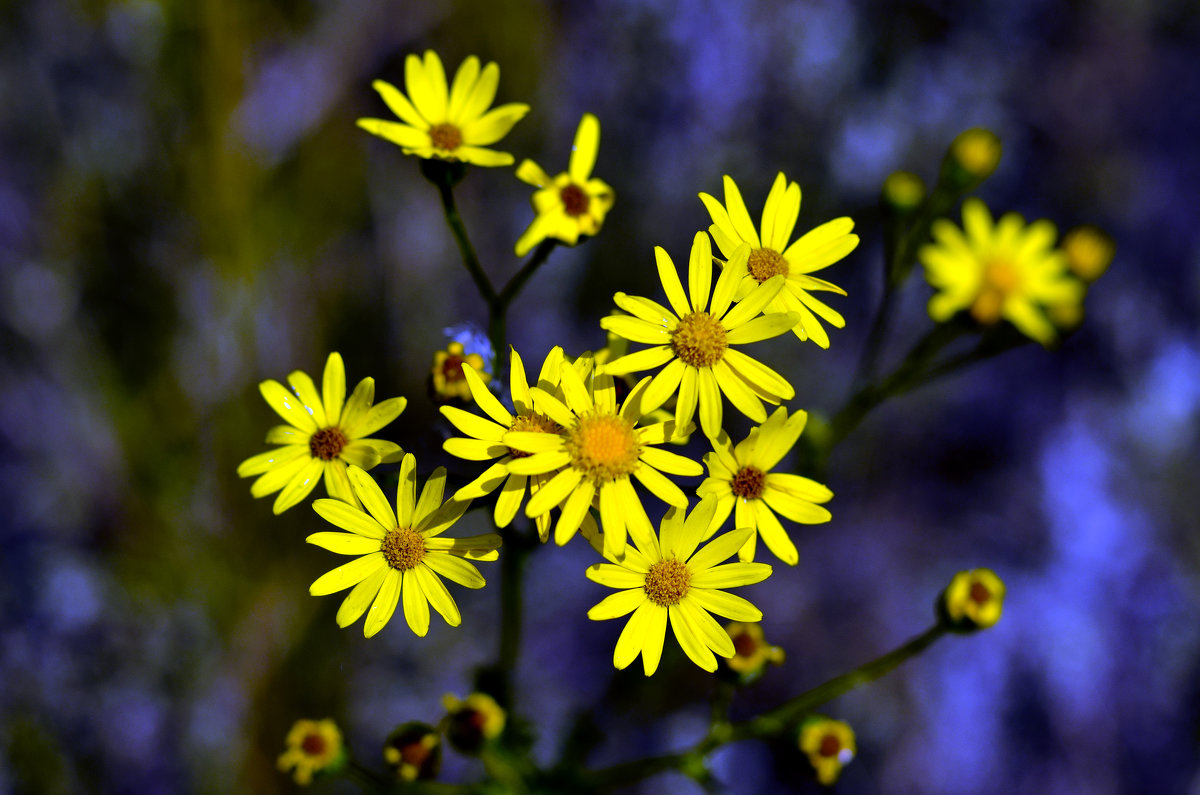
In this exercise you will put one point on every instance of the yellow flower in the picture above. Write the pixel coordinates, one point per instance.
(448, 125)
(597, 455)
(449, 375)
(472, 722)
(977, 152)
(414, 751)
(741, 477)
(751, 650)
(322, 436)
(400, 553)
(998, 271)
(974, 599)
(694, 341)
(771, 255)
(614, 349)
(667, 579)
(570, 204)
(1089, 252)
(829, 745)
(904, 191)
(312, 747)
(486, 434)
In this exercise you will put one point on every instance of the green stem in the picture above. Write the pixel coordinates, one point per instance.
(444, 176)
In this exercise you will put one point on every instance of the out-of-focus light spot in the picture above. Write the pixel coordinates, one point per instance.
(136, 30)
(1165, 405)
(70, 596)
(133, 720)
(866, 152)
(290, 93)
(37, 300)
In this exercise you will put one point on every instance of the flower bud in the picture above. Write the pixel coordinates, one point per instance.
(313, 748)
(976, 152)
(829, 745)
(751, 650)
(414, 751)
(972, 601)
(472, 722)
(903, 192)
(1089, 251)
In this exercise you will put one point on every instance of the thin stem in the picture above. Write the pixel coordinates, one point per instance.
(518, 280)
(470, 260)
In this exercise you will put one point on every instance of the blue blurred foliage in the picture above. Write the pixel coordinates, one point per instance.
(186, 208)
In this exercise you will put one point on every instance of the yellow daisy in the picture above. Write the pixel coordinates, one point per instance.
(771, 255)
(448, 373)
(570, 204)
(600, 450)
(998, 271)
(322, 436)
(314, 747)
(694, 340)
(662, 580)
(751, 650)
(741, 477)
(400, 554)
(452, 124)
(829, 745)
(485, 445)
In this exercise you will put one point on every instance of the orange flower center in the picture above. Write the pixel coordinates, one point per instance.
(748, 483)
(830, 745)
(979, 593)
(445, 136)
(699, 340)
(744, 645)
(604, 447)
(326, 443)
(532, 422)
(667, 582)
(765, 263)
(452, 368)
(403, 548)
(313, 744)
(575, 200)
(1000, 280)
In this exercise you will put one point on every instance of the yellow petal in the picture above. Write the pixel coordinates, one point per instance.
(385, 604)
(584, 148)
(416, 608)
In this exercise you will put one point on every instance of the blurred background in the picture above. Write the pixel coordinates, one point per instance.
(186, 209)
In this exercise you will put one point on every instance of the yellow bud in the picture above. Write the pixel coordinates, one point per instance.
(976, 151)
(904, 190)
(1089, 251)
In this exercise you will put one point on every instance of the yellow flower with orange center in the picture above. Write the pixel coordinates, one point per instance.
(974, 599)
(313, 747)
(829, 745)
(449, 372)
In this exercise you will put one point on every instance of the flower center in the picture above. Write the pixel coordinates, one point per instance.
(699, 339)
(744, 645)
(748, 483)
(765, 263)
(532, 422)
(1000, 280)
(575, 200)
(326, 443)
(403, 548)
(313, 744)
(830, 745)
(445, 136)
(603, 447)
(667, 582)
(979, 593)
(452, 368)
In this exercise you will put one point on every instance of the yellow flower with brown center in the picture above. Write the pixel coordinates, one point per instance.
(325, 433)
(447, 123)
(1005, 270)
(771, 255)
(829, 745)
(598, 454)
(486, 434)
(572, 203)
(400, 553)
(974, 599)
(695, 341)
(313, 747)
(666, 579)
(472, 722)
(414, 751)
(751, 652)
(741, 478)
(449, 372)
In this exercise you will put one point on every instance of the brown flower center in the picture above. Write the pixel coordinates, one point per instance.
(532, 422)
(979, 593)
(765, 263)
(403, 548)
(575, 200)
(699, 339)
(667, 582)
(744, 645)
(830, 745)
(748, 483)
(604, 447)
(445, 136)
(452, 368)
(326, 443)
(313, 744)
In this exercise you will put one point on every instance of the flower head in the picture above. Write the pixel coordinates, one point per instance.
(570, 204)
(695, 340)
(313, 747)
(597, 455)
(400, 553)
(1089, 251)
(323, 435)
(973, 600)
(448, 124)
(472, 722)
(976, 152)
(770, 254)
(751, 650)
(741, 477)
(414, 751)
(667, 580)
(998, 271)
(829, 745)
(449, 372)
(486, 434)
